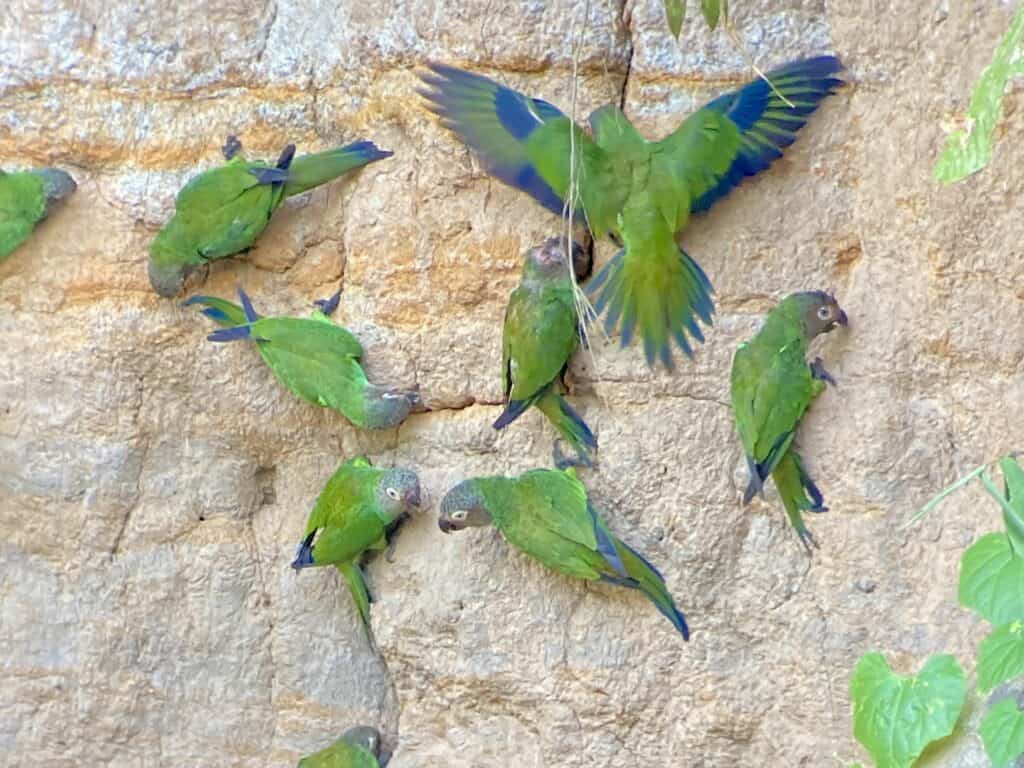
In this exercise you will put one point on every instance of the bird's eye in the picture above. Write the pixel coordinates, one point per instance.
(459, 514)
(392, 493)
(824, 313)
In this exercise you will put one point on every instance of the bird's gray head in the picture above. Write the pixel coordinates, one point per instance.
(386, 408)
(819, 312)
(364, 736)
(57, 185)
(398, 491)
(167, 279)
(551, 258)
(463, 507)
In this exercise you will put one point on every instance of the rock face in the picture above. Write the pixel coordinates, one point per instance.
(153, 486)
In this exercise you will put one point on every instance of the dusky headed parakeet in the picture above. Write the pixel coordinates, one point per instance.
(546, 514)
(26, 198)
(640, 192)
(540, 335)
(222, 211)
(357, 748)
(772, 387)
(356, 511)
(314, 358)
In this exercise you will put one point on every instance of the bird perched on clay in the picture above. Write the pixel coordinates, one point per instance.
(540, 335)
(26, 198)
(356, 512)
(222, 211)
(546, 514)
(773, 385)
(640, 192)
(314, 358)
(357, 748)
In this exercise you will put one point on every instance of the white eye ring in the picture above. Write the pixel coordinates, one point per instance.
(392, 493)
(459, 514)
(824, 313)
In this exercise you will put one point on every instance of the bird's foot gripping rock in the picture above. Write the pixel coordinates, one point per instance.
(562, 461)
(818, 372)
(328, 305)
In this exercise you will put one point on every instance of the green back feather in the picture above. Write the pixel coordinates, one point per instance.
(22, 205)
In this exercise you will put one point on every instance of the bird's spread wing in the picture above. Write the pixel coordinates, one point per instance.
(741, 132)
(523, 141)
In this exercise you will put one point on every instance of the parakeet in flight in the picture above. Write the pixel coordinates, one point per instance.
(546, 514)
(540, 335)
(356, 511)
(222, 211)
(314, 358)
(26, 198)
(357, 748)
(772, 387)
(640, 192)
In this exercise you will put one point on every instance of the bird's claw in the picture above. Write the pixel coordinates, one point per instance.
(563, 462)
(808, 540)
(232, 146)
(328, 305)
(818, 372)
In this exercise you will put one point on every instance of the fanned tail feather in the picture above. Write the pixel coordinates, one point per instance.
(665, 293)
(767, 123)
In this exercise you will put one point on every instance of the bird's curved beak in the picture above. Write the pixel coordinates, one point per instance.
(413, 499)
(843, 320)
(445, 525)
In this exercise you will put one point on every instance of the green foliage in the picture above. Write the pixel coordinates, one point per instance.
(896, 717)
(968, 151)
(713, 10)
(1001, 656)
(1002, 732)
(675, 12)
(992, 580)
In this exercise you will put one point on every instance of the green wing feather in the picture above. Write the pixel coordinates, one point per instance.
(22, 205)
(525, 142)
(539, 337)
(545, 514)
(218, 213)
(340, 754)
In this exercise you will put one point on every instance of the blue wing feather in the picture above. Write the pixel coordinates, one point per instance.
(766, 122)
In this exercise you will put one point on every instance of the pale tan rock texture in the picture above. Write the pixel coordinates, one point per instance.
(153, 485)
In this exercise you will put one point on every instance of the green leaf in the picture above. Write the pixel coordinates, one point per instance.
(969, 151)
(675, 12)
(1013, 505)
(1002, 732)
(1001, 656)
(711, 9)
(896, 717)
(992, 580)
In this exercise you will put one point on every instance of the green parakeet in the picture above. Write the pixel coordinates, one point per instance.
(26, 198)
(357, 748)
(546, 514)
(540, 335)
(312, 357)
(772, 387)
(222, 211)
(355, 512)
(640, 192)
